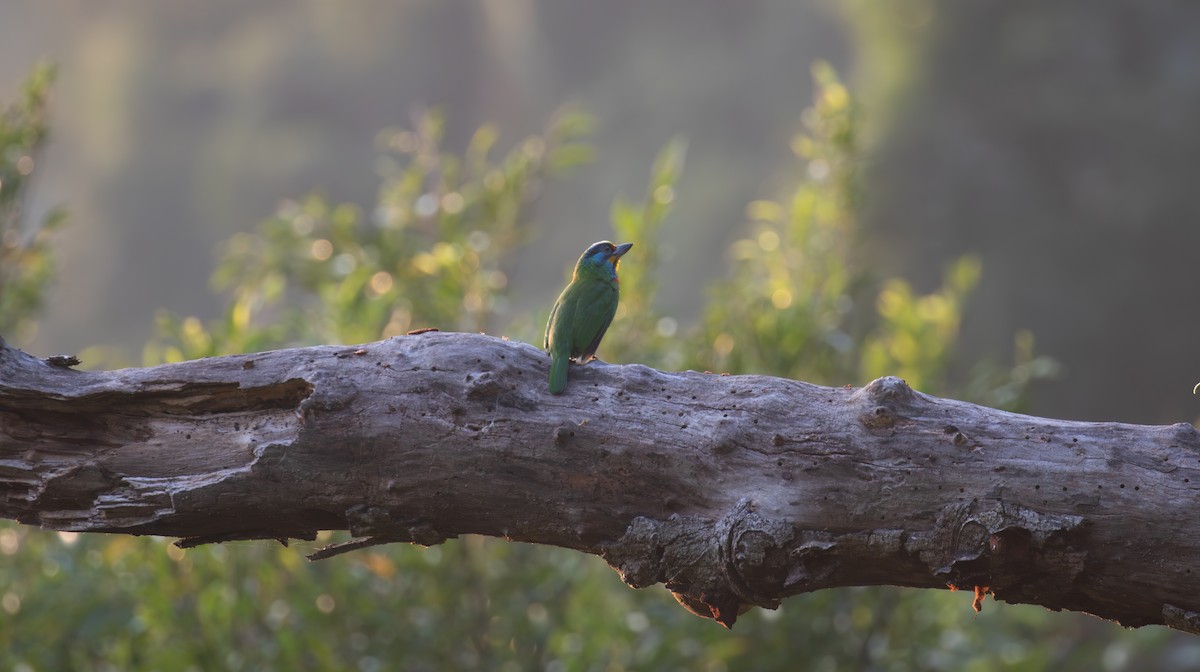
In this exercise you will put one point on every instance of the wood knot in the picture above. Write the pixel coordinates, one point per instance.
(758, 551)
(1185, 432)
(761, 560)
(956, 436)
(485, 385)
(880, 417)
(888, 398)
(639, 554)
(562, 435)
(63, 361)
(889, 390)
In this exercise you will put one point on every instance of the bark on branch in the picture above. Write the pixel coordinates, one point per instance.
(732, 490)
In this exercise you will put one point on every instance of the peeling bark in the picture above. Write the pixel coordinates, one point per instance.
(733, 491)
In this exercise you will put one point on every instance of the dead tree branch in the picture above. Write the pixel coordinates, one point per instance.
(732, 490)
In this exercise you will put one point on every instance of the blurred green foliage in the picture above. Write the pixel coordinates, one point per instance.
(788, 307)
(26, 262)
(434, 252)
(793, 304)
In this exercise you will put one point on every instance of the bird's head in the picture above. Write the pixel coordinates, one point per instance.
(602, 256)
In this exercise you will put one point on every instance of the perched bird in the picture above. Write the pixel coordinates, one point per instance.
(583, 310)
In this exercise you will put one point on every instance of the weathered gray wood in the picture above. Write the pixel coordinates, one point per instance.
(731, 490)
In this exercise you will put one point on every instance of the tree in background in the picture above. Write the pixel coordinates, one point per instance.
(434, 252)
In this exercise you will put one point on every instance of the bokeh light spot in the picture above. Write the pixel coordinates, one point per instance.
(768, 240)
(479, 241)
(381, 283)
(667, 326)
(426, 205)
(344, 263)
(818, 169)
(10, 542)
(664, 195)
(453, 203)
(321, 249)
(303, 225)
(723, 344)
(326, 603)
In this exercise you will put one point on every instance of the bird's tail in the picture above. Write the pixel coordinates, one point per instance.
(558, 373)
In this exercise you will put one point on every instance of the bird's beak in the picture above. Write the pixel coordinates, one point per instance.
(621, 249)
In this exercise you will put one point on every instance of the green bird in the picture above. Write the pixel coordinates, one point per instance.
(583, 310)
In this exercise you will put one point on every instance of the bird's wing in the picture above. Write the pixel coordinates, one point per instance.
(550, 322)
(593, 313)
(590, 349)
